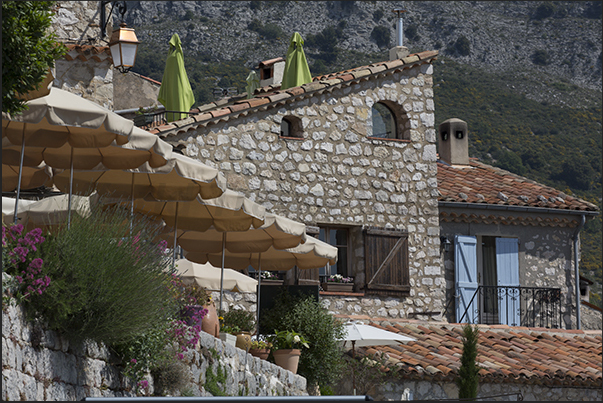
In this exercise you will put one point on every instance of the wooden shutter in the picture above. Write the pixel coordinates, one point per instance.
(386, 262)
(465, 256)
(507, 272)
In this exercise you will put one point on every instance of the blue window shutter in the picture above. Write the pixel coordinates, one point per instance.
(507, 271)
(465, 254)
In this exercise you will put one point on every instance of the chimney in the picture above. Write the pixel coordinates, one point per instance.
(271, 72)
(453, 142)
(399, 51)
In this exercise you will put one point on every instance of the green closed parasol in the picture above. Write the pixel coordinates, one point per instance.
(296, 71)
(175, 92)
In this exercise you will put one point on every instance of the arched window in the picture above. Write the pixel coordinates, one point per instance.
(291, 127)
(384, 122)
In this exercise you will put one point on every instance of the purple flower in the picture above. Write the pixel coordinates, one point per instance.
(17, 229)
(181, 356)
(36, 264)
(143, 384)
(133, 361)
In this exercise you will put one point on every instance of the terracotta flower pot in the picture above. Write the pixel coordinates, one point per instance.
(211, 323)
(243, 340)
(262, 353)
(287, 359)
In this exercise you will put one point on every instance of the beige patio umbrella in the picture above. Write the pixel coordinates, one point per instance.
(180, 179)
(229, 212)
(210, 277)
(69, 132)
(312, 254)
(31, 177)
(277, 231)
(53, 211)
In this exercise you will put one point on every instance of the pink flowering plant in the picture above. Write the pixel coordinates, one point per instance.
(22, 262)
(338, 278)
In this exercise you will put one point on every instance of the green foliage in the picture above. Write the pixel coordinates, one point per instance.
(239, 319)
(544, 10)
(411, 32)
(578, 172)
(169, 375)
(189, 15)
(365, 373)
(255, 5)
(511, 162)
(378, 14)
(462, 46)
(269, 31)
(107, 285)
(540, 57)
(215, 383)
(322, 363)
(593, 10)
(468, 378)
(287, 339)
(28, 50)
(381, 36)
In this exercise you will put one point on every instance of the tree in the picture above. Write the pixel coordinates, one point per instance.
(540, 57)
(463, 46)
(381, 35)
(468, 379)
(28, 50)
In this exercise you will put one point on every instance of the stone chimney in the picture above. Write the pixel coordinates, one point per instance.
(271, 72)
(453, 142)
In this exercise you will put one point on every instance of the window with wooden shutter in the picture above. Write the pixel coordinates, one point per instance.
(386, 262)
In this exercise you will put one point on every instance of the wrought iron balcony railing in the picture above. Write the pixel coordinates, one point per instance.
(152, 119)
(515, 306)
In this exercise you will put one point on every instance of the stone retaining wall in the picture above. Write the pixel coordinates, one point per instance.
(41, 365)
(429, 390)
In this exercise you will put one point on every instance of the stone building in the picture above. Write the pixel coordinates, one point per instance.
(353, 156)
(516, 242)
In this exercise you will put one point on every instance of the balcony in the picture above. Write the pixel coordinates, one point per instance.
(149, 120)
(515, 306)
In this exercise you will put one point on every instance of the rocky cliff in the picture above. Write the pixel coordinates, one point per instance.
(546, 41)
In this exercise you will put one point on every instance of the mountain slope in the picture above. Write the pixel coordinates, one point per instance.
(526, 76)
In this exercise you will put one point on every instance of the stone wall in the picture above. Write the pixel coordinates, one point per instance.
(429, 390)
(40, 365)
(83, 70)
(336, 174)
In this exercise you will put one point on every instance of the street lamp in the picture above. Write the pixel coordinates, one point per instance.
(123, 42)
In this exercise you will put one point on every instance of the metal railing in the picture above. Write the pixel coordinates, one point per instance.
(515, 306)
(152, 119)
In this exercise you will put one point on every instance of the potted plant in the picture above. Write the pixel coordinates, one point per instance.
(286, 348)
(270, 278)
(338, 283)
(241, 323)
(195, 305)
(260, 348)
(227, 333)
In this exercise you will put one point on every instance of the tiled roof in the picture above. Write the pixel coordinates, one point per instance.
(552, 357)
(271, 96)
(87, 52)
(479, 183)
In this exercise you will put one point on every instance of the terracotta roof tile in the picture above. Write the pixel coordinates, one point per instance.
(481, 183)
(272, 95)
(553, 357)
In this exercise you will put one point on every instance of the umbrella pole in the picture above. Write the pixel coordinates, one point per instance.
(222, 273)
(175, 237)
(353, 373)
(70, 190)
(132, 205)
(20, 173)
(259, 284)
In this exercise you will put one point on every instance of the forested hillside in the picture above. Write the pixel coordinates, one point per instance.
(525, 76)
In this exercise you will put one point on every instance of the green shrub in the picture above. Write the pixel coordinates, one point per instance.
(107, 285)
(170, 375)
(238, 319)
(381, 36)
(544, 10)
(322, 363)
(540, 57)
(463, 46)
